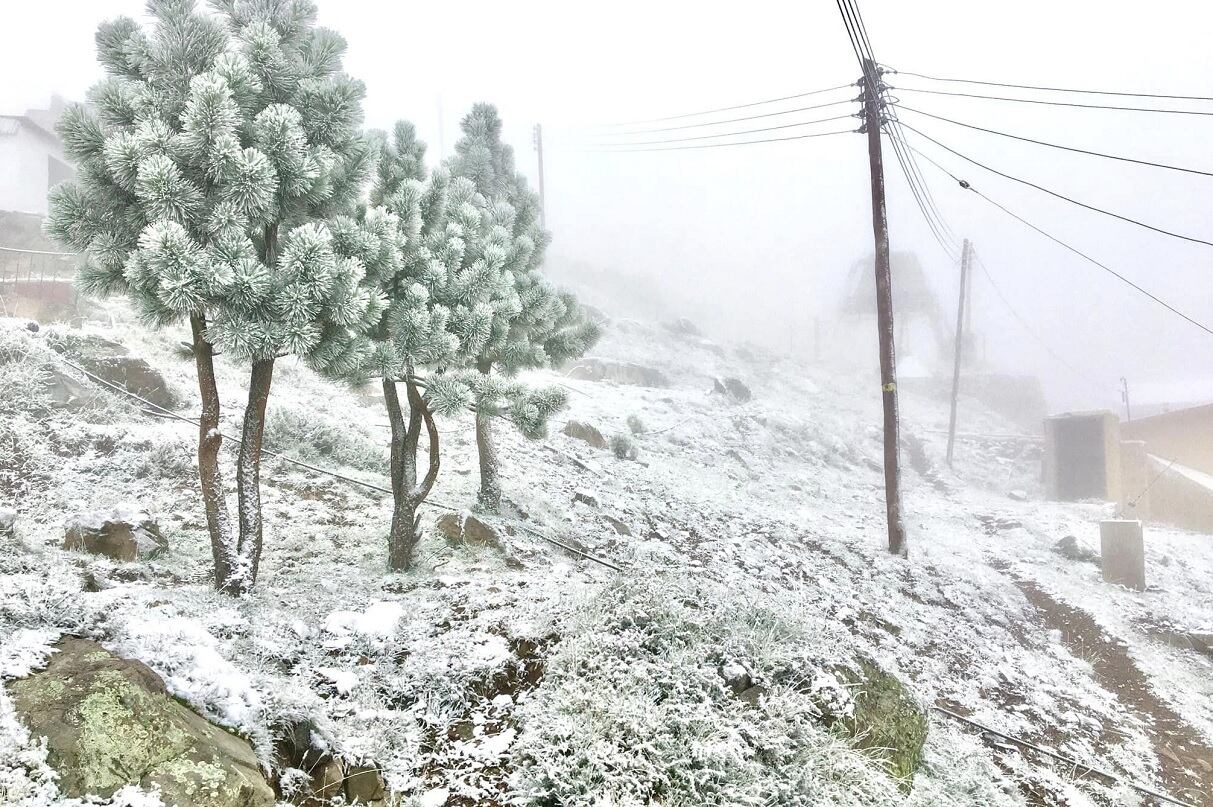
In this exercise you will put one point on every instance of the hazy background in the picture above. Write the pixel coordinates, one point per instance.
(756, 241)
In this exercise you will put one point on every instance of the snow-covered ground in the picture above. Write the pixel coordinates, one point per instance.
(751, 534)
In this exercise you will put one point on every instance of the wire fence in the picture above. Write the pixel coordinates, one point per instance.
(31, 267)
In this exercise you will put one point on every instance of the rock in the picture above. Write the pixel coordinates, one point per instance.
(120, 533)
(752, 695)
(1070, 548)
(364, 785)
(732, 387)
(736, 677)
(619, 526)
(112, 362)
(478, 533)
(620, 372)
(8, 522)
(110, 722)
(886, 719)
(585, 497)
(66, 392)
(1017, 495)
(451, 526)
(683, 327)
(327, 780)
(584, 431)
(464, 529)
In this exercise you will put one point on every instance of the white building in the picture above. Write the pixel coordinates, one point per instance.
(31, 159)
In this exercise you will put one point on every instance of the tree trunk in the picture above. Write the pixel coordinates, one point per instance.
(407, 494)
(209, 442)
(400, 538)
(489, 496)
(248, 480)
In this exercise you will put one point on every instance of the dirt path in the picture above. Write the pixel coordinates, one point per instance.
(1185, 761)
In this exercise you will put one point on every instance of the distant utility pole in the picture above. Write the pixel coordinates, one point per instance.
(884, 313)
(539, 149)
(1124, 396)
(965, 253)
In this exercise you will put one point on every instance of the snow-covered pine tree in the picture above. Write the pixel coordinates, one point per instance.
(210, 163)
(532, 324)
(440, 278)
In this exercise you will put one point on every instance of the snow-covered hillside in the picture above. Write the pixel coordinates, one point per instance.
(750, 536)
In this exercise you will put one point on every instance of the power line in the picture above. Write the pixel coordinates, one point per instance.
(1031, 332)
(1180, 236)
(967, 186)
(1053, 89)
(719, 145)
(731, 120)
(727, 108)
(1056, 145)
(1055, 103)
(722, 134)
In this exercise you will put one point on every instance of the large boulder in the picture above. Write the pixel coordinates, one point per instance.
(584, 431)
(464, 529)
(620, 372)
(113, 363)
(734, 388)
(124, 534)
(109, 722)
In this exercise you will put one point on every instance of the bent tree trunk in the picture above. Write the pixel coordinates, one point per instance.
(248, 482)
(209, 441)
(489, 496)
(407, 493)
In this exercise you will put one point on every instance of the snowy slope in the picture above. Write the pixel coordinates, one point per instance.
(460, 678)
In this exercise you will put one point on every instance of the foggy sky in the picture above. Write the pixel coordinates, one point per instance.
(757, 240)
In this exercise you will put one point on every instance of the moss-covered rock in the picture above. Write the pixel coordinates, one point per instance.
(886, 719)
(109, 722)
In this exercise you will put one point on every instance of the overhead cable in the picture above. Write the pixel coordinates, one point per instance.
(623, 149)
(1061, 196)
(902, 88)
(967, 186)
(730, 120)
(1052, 89)
(1055, 145)
(727, 108)
(722, 134)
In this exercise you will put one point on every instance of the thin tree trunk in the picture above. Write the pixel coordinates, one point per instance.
(248, 479)
(407, 493)
(209, 442)
(489, 496)
(403, 515)
(418, 404)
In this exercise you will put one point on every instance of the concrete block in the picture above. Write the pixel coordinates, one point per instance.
(1123, 553)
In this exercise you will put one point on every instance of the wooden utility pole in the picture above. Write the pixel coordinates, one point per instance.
(884, 314)
(539, 149)
(960, 332)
